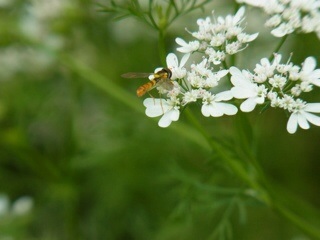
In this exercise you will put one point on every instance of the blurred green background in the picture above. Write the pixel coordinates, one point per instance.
(97, 168)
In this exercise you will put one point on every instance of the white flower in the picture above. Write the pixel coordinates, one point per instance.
(287, 16)
(22, 205)
(178, 70)
(230, 20)
(216, 57)
(282, 30)
(277, 81)
(265, 68)
(156, 107)
(302, 115)
(308, 72)
(244, 88)
(245, 38)
(187, 47)
(213, 105)
(190, 96)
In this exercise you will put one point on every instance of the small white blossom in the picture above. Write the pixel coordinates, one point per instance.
(296, 90)
(308, 72)
(234, 47)
(218, 39)
(156, 107)
(244, 88)
(187, 47)
(277, 81)
(216, 57)
(287, 102)
(178, 70)
(301, 116)
(22, 205)
(274, 21)
(190, 96)
(245, 38)
(213, 105)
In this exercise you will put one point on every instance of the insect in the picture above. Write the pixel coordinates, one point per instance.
(160, 78)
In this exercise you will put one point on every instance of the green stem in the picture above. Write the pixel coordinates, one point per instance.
(305, 226)
(162, 47)
(234, 164)
(265, 192)
(283, 39)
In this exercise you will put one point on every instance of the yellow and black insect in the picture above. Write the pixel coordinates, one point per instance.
(161, 78)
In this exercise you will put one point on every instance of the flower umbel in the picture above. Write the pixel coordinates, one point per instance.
(286, 17)
(281, 84)
(218, 37)
(271, 83)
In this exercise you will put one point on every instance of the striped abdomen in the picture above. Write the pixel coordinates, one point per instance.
(146, 87)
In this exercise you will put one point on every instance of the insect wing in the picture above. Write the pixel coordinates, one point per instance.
(135, 75)
(166, 83)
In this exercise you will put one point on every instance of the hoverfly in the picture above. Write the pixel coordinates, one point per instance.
(159, 78)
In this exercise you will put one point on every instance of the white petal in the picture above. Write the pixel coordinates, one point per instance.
(181, 42)
(277, 59)
(316, 82)
(215, 111)
(292, 123)
(184, 59)
(164, 121)
(315, 120)
(154, 111)
(172, 60)
(252, 37)
(223, 96)
(227, 108)
(309, 65)
(222, 73)
(315, 74)
(155, 106)
(174, 114)
(237, 77)
(302, 121)
(280, 31)
(241, 92)
(168, 117)
(238, 15)
(312, 107)
(184, 50)
(259, 100)
(248, 105)
(205, 110)
(265, 62)
(152, 101)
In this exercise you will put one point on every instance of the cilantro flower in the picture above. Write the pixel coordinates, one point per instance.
(156, 107)
(213, 105)
(301, 116)
(218, 38)
(187, 47)
(178, 70)
(286, 17)
(308, 72)
(245, 88)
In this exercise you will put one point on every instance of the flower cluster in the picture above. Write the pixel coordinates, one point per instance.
(191, 86)
(287, 16)
(280, 85)
(271, 83)
(218, 38)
